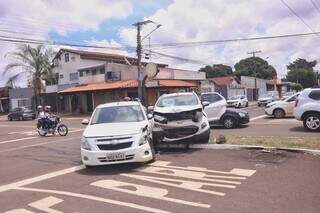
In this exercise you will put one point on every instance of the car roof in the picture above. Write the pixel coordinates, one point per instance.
(208, 93)
(119, 103)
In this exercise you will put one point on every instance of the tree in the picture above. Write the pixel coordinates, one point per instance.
(301, 71)
(217, 70)
(255, 67)
(35, 61)
(296, 87)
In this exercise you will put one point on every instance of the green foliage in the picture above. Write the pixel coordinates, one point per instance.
(217, 70)
(301, 71)
(255, 67)
(34, 62)
(296, 87)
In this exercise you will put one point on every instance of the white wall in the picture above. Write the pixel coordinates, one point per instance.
(249, 82)
(92, 79)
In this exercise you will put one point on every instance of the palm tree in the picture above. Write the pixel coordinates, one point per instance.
(35, 61)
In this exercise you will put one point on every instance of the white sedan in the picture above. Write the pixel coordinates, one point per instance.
(117, 132)
(238, 101)
(282, 108)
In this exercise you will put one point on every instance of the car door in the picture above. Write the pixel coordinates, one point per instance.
(217, 106)
(15, 113)
(290, 105)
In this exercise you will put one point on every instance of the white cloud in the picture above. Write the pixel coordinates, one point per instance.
(36, 18)
(194, 20)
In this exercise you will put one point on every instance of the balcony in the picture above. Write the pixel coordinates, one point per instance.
(92, 79)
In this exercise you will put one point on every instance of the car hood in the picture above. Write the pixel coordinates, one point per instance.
(176, 109)
(114, 129)
(232, 101)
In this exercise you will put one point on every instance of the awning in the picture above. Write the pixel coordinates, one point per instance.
(127, 84)
(102, 86)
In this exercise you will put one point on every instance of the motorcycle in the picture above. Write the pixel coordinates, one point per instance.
(52, 128)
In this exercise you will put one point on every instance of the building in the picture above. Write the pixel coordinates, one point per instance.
(227, 86)
(255, 87)
(87, 79)
(21, 97)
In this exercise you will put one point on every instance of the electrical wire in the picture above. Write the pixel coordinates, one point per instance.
(315, 6)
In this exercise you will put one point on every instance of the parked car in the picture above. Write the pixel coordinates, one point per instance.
(307, 108)
(267, 98)
(179, 118)
(238, 101)
(21, 113)
(117, 132)
(219, 115)
(282, 108)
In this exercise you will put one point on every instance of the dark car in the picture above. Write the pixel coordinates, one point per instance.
(21, 113)
(231, 119)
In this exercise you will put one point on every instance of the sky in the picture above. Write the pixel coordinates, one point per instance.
(108, 23)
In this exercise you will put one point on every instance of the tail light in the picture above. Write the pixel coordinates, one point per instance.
(296, 103)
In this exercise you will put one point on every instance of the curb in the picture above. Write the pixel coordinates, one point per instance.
(238, 147)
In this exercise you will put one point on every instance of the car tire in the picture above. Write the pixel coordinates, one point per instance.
(10, 118)
(229, 122)
(279, 113)
(312, 122)
(247, 104)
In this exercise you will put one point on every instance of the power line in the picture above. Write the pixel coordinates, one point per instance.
(315, 6)
(297, 15)
(179, 58)
(211, 42)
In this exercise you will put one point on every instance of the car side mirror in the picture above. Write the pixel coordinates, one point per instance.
(85, 121)
(150, 116)
(205, 104)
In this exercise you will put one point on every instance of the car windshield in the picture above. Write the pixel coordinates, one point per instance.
(266, 96)
(118, 114)
(235, 97)
(177, 100)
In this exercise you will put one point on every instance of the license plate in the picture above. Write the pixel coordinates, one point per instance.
(116, 156)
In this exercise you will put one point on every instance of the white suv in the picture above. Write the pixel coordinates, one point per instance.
(117, 132)
(307, 108)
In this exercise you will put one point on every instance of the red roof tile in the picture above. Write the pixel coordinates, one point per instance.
(222, 81)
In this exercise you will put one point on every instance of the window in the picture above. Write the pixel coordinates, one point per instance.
(81, 73)
(61, 76)
(102, 71)
(211, 98)
(74, 76)
(315, 95)
(94, 72)
(177, 100)
(113, 76)
(66, 57)
(22, 102)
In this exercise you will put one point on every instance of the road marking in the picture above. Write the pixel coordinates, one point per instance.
(40, 178)
(258, 117)
(95, 198)
(38, 144)
(144, 191)
(45, 204)
(15, 140)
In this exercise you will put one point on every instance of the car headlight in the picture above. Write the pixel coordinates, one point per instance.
(143, 139)
(85, 144)
(242, 114)
(159, 118)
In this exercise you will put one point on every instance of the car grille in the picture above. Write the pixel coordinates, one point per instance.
(180, 132)
(115, 146)
(179, 116)
(104, 159)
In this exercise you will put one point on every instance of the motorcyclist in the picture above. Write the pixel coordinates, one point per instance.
(48, 122)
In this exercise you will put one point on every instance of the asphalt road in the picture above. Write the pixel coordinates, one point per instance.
(44, 174)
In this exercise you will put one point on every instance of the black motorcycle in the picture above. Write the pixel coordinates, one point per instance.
(51, 126)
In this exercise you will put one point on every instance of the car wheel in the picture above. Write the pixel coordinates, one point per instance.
(247, 104)
(153, 152)
(278, 113)
(312, 122)
(229, 122)
(9, 118)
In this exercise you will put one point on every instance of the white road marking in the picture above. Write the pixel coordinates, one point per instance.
(144, 191)
(23, 126)
(18, 211)
(95, 198)
(45, 204)
(38, 144)
(182, 184)
(15, 140)
(40, 178)
(258, 117)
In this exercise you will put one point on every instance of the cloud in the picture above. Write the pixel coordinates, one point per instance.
(192, 20)
(35, 19)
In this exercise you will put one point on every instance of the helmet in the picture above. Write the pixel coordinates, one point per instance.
(39, 108)
(47, 108)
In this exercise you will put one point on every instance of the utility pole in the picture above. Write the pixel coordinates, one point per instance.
(253, 53)
(139, 25)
